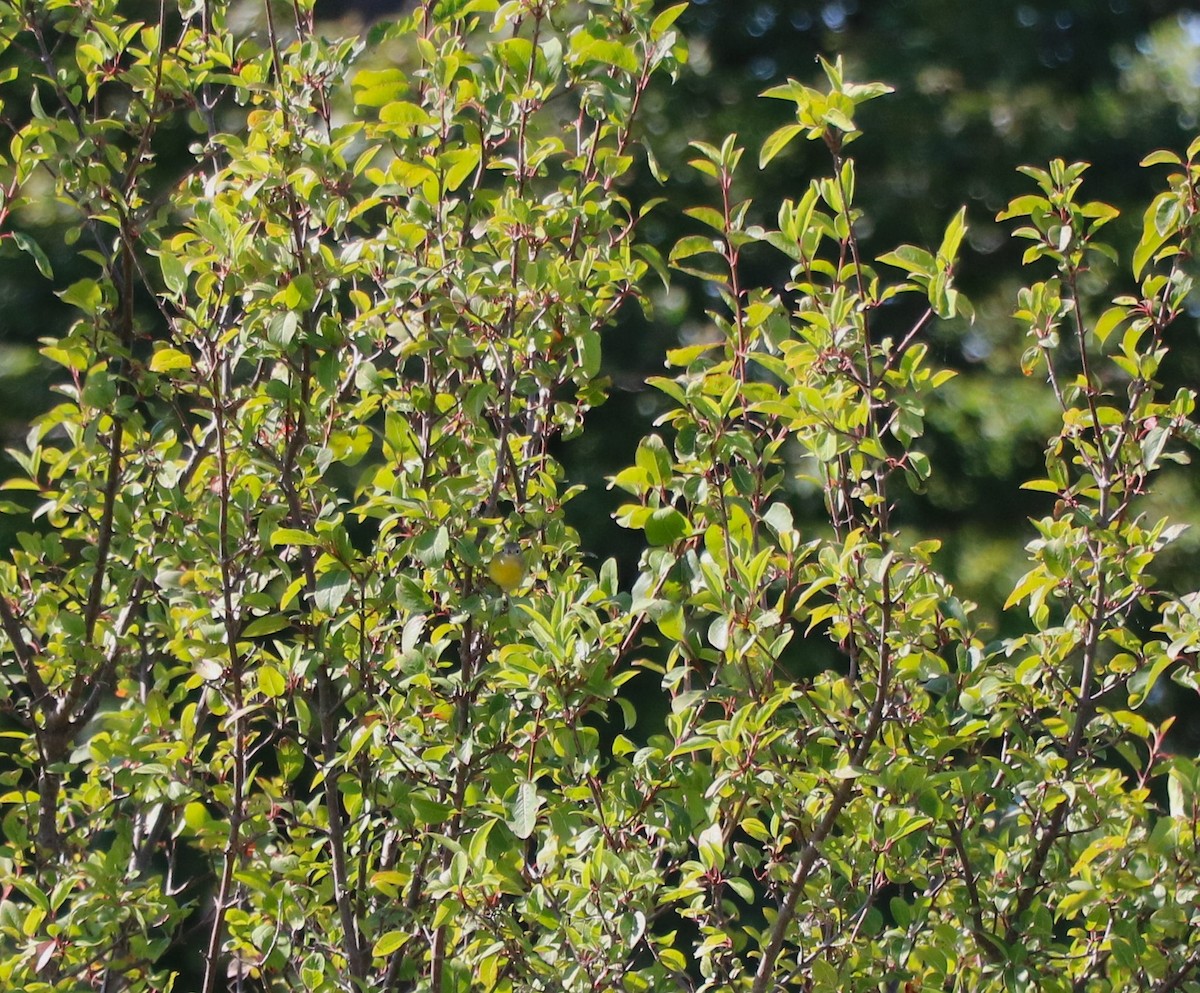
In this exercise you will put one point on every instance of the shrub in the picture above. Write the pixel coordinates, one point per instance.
(276, 721)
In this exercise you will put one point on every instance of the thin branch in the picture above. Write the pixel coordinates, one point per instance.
(841, 797)
(237, 812)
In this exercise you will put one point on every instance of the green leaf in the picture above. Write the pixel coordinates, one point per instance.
(656, 170)
(331, 591)
(389, 943)
(30, 247)
(85, 294)
(458, 165)
(1142, 682)
(1035, 579)
(515, 53)
(431, 547)
(694, 244)
(779, 518)
(378, 87)
(665, 19)
(589, 352)
(911, 259)
(707, 216)
(665, 526)
(271, 624)
(1041, 486)
(901, 911)
(671, 622)
(953, 237)
(523, 812)
(174, 275)
(776, 142)
(1161, 157)
(293, 536)
(403, 115)
(1109, 321)
(300, 293)
(839, 119)
(587, 48)
(1178, 794)
(169, 360)
(654, 459)
(654, 257)
(157, 709)
(791, 90)
(1023, 206)
(271, 681)
(1153, 237)
(427, 812)
(711, 848)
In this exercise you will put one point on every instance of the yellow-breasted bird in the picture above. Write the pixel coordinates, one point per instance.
(508, 567)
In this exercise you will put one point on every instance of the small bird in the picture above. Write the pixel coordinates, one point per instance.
(508, 567)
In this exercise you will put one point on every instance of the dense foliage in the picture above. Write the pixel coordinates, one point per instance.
(310, 685)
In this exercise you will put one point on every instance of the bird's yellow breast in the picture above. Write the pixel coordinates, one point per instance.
(507, 568)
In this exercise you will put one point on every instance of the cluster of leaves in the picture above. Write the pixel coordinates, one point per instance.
(935, 813)
(264, 701)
